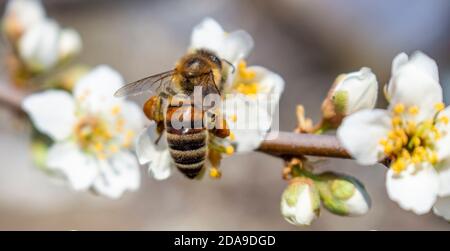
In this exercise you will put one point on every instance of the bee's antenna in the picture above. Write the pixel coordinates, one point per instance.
(230, 64)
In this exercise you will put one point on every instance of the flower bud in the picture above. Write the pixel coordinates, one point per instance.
(39, 46)
(343, 195)
(350, 93)
(300, 202)
(69, 44)
(21, 15)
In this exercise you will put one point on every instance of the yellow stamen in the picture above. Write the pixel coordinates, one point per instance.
(399, 108)
(413, 110)
(247, 89)
(115, 110)
(439, 106)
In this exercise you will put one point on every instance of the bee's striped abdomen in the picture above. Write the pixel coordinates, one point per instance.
(187, 145)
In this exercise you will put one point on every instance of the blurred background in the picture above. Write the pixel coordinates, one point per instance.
(307, 42)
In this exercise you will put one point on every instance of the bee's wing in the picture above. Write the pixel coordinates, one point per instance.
(155, 84)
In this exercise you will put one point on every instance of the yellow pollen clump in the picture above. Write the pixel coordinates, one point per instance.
(233, 117)
(409, 142)
(229, 150)
(244, 82)
(444, 120)
(215, 173)
(399, 108)
(439, 106)
(413, 110)
(244, 72)
(232, 136)
(115, 110)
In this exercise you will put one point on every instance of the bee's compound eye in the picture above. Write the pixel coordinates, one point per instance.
(215, 59)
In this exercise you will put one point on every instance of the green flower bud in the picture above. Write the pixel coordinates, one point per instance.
(343, 195)
(300, 202)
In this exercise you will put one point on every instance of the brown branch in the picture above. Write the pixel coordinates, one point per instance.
(280, 144)
(11, 98)
(288, 144)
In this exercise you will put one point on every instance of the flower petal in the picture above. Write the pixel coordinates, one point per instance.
(117, 175)
(133, 116)
(426, 64)
(95, 90)
(79, 168)
(158, 157)
(442, 208)
(444, 180)
(399, 60)
(38, 47)
(270, 83)
(24, 13)
(207, 35)
(361, 132)
(413, 190)
(361, 90)
(52, 112)
(69, 43)
(415, 83)
(211, 36)
(237, 45)
(248, 121)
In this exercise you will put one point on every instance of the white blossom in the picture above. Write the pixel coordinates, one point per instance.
(413, 132)
(92, 133)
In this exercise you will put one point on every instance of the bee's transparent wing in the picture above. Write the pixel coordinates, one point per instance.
(156, 84)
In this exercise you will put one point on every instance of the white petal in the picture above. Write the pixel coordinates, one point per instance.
(415, 85)
(25, 12)
(158, 157)
(413, 190)
(237, 45)
(210, 35)
(133, 116)
(426, 64)
(361, 132)
(207, 35)
(69, 43)
(160, 167)
(444, 180)
(303, 212)
(248, 121)
(38, 47)
(399, 60)
(52, 112)
(442, 208)
(79, 169)
(270, 82)
(361, 88)
(95, 90)
(118, 174)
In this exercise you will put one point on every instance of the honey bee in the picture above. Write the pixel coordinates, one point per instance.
(188, 145)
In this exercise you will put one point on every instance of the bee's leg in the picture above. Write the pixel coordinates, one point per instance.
(160, 129)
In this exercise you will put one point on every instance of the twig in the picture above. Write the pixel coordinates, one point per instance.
(12, 98)
(288, 144)
(280, 144)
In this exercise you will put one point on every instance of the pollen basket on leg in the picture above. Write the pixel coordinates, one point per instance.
(411, 142)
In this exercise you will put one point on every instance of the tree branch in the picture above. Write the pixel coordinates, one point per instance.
(11, 98)
(280, 144)
(289, 144)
